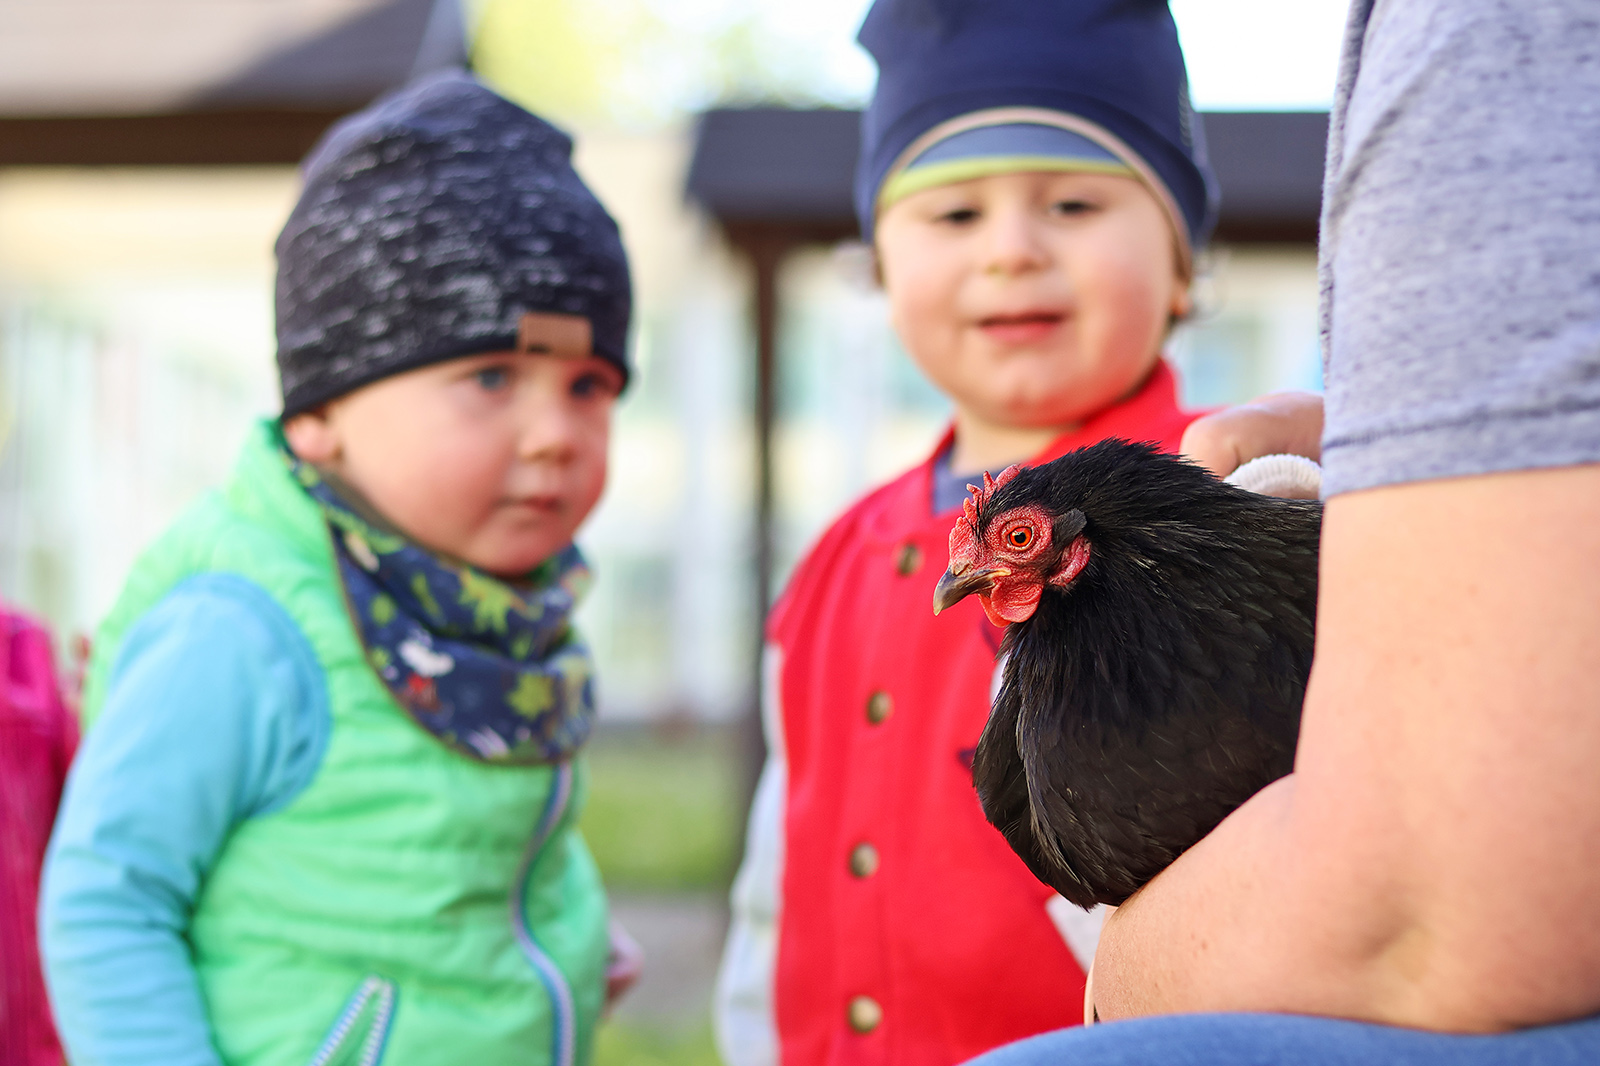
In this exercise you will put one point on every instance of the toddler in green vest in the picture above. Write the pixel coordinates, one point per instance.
(326, 809)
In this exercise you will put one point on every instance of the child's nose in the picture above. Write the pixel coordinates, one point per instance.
(547, 433)
(1014, 244)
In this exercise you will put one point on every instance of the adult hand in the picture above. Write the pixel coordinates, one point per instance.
(623, 965)
(1276, 424)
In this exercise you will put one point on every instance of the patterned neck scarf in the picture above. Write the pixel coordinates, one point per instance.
(493, 669)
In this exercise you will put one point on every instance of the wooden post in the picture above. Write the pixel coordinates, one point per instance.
(766, 245)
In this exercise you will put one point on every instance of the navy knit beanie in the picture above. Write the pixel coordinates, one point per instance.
(430, 224)
(1113, 68)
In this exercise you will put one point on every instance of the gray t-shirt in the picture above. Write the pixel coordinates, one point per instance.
(1460, 253)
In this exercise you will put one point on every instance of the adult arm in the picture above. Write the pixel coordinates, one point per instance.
(215, 713)
(1434, 859)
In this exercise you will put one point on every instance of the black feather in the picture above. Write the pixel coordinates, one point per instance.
(1162, 688)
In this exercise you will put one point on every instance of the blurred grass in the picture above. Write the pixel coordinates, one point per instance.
(618, 1044)
(662, 814)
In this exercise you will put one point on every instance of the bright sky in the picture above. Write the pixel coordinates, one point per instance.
(1246, 55)
(644, 61)
(1242, 54)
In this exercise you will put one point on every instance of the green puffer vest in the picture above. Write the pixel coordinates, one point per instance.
(409, 905)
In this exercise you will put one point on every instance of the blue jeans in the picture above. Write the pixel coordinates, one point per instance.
(1294, 1040)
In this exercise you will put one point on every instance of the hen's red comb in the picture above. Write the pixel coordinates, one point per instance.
(973, 505)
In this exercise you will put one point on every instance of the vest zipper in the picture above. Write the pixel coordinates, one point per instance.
(378, 992)
(564, 1015)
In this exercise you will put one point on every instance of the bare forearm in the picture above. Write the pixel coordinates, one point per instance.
(1221, 929)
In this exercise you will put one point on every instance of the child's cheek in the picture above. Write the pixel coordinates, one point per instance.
(451, 497)
(928, 329)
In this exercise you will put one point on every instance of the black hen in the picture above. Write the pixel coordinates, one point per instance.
(1159, 639)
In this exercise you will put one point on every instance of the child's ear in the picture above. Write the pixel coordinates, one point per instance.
(1181, 308)
(1184, 272)
(1182, 302)
(312, 437)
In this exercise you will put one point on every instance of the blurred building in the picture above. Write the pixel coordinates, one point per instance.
(146, 158)
(136, 332)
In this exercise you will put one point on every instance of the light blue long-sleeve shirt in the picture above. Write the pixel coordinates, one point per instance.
(216, 712)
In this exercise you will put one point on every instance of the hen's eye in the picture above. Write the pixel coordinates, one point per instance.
(1020, 537)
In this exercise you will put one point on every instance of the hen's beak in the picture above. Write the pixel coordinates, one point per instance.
(956, 586)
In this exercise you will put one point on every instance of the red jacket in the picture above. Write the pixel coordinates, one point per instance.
(910, 934)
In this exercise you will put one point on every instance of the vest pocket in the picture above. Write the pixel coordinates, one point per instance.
(358, 1035)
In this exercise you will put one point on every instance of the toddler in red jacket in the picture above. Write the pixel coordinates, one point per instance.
(1035, 186)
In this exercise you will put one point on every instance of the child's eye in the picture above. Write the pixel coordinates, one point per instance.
(588, 386)
(1072, 207)
(960, 216)
(493, 378)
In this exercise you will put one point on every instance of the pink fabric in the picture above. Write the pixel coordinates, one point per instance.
(38, 735)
